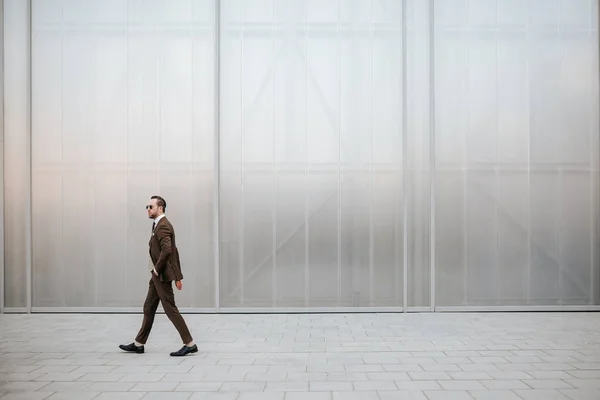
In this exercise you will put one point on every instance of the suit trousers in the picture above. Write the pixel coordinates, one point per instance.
(163, 292)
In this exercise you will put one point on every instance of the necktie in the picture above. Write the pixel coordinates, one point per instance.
(153, 225)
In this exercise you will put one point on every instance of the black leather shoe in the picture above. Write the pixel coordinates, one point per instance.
(185, 350)
(132, 348)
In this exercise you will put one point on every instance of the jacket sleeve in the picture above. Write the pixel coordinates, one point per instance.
(164, 238)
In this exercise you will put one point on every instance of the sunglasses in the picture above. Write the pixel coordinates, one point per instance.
(149, 207)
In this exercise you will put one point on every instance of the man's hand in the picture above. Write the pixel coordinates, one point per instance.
(179, 285)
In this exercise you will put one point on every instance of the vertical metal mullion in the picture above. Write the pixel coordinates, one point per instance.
(306, 218)
(595, 162)
(2, 157)
(192, 161)
(216, 154)
(592, 184)
(404, 163)
(465, 226)
(29, 130)
(432, 247)
(529, 128)
(371, 172)
(274, 177)
(339, 127)
(241, 230)
(560, 169)
(497, 166)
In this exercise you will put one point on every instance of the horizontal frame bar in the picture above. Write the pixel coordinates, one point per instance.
(15, 310)
(423, 309)
(212, 310)
(304, 310)
(516, 308)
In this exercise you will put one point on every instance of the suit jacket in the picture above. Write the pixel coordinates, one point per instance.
(164, 253)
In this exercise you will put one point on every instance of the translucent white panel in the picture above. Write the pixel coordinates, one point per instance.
(176, 114)
(355, 157)
(49, 279)
(79, 235)
(594, 16)
(307, 111)
(545, 262)
(576, 13)
(513, 99)
(356, 241)
(450, 244)
(109, 131)
(450, 99)
(481, 238)
(530, 103)
(231, 239)
(386, 98)
(47, 149)
(544, 14)
(482, 111)
(77, 99)
(575, 217)
(418, 154)
(323, 100)
(545, 83)
(481, 12)
(257, 238)
(418, 238)
(512, 13)
(257, 100)
(356, 11)
(121, 114)
(576, 76)
(323, 239)
(389, 11)
(450, 13)
(110, 250)
(179, 13)
(513, 238)
(290, 231)
(17, 167)
(326, 168)
(387, 278)
(322, 11)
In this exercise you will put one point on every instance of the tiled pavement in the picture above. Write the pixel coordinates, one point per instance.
(499, 356)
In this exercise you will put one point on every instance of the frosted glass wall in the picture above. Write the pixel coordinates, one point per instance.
(16, 157)
(516, 100)
(122, 108)
(311, 153)
(314, 154)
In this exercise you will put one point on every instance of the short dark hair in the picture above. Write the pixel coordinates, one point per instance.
(160, 202)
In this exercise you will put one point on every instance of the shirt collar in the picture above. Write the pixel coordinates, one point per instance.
(158, 219)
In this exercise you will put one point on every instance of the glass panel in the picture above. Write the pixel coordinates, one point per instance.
(451, 85)
(312, 135)
(307, 112)
(418, 133)
(531, 196)
(123, 109)
(513, 237)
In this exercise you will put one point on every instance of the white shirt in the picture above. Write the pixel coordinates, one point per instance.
(150, 263)
(158, 219)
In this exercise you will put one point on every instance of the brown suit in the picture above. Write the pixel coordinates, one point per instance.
(164, 253)
(165, 257)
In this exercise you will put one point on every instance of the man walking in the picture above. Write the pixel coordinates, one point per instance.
(164, 266)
